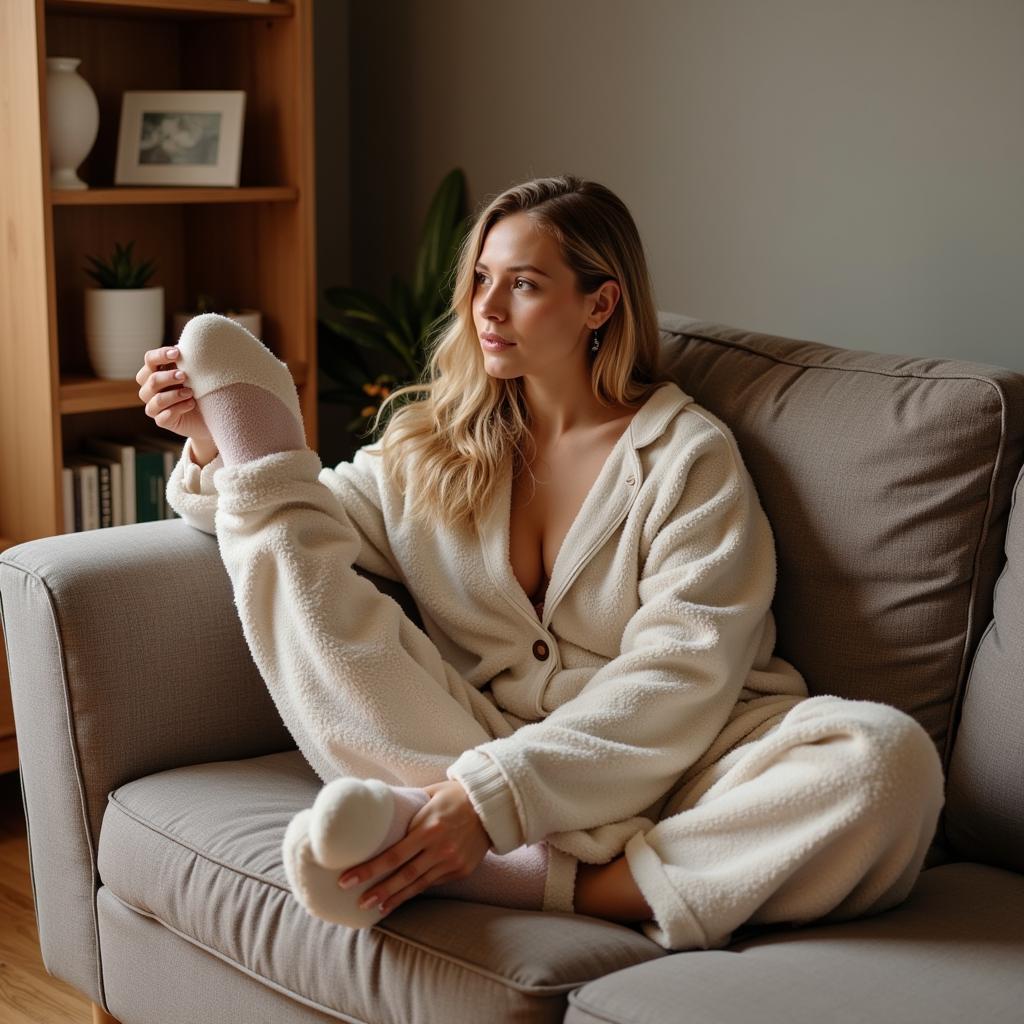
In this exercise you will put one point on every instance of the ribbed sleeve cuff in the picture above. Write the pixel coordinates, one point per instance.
(198, 479)
(491, 798)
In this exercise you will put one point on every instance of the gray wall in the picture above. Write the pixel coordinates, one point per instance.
(847, 171)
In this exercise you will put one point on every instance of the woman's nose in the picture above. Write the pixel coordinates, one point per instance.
(488, 303)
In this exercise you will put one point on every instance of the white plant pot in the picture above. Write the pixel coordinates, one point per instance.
(250, 319)
(73, 120)
(121, 326)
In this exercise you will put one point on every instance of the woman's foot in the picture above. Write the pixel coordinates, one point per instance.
(352, 820)
(245, 394)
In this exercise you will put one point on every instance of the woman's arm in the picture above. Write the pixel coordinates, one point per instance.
(643, 718)
(192, 493)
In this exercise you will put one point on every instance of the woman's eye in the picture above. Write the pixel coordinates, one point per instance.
(519, 280)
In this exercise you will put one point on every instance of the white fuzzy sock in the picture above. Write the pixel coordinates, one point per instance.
(352, 820)
(244, 393)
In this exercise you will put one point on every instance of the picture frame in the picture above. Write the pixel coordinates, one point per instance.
(180, 137)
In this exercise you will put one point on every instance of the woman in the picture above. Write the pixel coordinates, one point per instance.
(594, 720)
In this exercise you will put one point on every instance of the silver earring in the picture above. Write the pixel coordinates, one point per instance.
(596, 343)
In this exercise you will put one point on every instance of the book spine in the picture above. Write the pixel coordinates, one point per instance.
(76, 476)
(68, 498)
(90, 498)
(148, 474)
(106, 511)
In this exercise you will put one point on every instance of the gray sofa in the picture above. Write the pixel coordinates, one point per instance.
(158, 779)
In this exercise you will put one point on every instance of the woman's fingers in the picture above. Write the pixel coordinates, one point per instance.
(178, 406)
(410, 881)
(154, 360)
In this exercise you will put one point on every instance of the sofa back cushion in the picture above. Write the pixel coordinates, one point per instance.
(984, 811)
(887, 480)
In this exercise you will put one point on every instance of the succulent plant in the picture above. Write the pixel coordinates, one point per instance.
(120, 272)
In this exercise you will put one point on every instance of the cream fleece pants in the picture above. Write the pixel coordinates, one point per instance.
(825, 812)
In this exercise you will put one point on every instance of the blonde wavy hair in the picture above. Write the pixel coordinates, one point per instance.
(453, 443)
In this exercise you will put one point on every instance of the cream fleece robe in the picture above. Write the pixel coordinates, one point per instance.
(656, 634)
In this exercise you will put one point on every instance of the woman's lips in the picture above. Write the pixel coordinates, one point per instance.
(493, 345)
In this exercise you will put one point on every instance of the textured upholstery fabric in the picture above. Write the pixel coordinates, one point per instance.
(887, 481)
(952, 952)
(985, 784)
(144, 964)
(198, 848)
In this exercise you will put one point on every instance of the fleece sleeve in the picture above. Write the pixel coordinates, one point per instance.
(192, 493)
(361, 688)
(705, 584)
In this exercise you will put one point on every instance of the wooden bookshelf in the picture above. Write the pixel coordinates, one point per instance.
(253, 246)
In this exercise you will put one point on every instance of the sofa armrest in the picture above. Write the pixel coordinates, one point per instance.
(126, 657)
(984, 812)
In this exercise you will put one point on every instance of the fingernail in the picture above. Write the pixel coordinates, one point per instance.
(179, 375)
(366, 902)
(172, 353)
(347, 883)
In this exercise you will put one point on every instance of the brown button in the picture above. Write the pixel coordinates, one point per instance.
(540, 650)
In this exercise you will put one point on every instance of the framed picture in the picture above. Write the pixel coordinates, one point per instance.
(184, 137)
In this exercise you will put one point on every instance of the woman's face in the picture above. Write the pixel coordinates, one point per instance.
(526, 294)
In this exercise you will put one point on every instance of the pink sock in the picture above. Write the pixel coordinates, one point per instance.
(513, 879)
(352, 821)
(244, 393)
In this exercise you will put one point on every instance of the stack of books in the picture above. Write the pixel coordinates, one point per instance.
(117, 482)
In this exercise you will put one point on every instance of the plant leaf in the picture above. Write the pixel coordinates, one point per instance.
(445, 208)
(350, 299)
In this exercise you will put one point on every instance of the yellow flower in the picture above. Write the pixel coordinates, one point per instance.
(369, 411)
(368, 388)
(385, 392)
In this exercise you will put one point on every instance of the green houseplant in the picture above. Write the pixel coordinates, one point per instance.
(368, 330)
(123, 317)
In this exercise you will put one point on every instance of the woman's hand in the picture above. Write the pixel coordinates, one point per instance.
(445, 841)
(169, 401)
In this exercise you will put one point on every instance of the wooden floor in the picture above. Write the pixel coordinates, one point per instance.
(28, 995)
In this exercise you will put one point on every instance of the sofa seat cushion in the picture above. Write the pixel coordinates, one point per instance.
(198, 849)
(952, 952)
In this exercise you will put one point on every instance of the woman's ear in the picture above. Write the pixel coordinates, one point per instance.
(606, 298)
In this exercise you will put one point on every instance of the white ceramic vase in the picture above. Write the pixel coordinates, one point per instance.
(121, 326)
(73, 120)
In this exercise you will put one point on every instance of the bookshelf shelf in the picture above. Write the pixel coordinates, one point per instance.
(175, 8)
(124, 195)
(249, 247)
(80, 394)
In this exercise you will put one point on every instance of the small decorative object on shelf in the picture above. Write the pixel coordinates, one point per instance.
(123, 319)
(73, 120)
(250, 319)
(182, 137)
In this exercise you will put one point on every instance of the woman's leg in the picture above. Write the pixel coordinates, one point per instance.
(826, 815)
(609, 891)
(363, 691)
